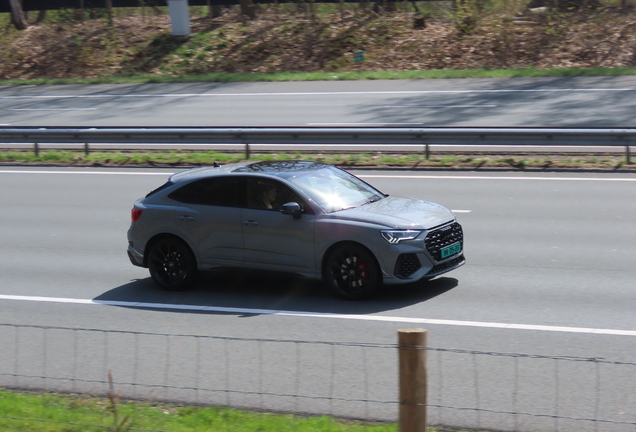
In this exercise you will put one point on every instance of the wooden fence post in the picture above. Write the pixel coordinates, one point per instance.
(413, 380)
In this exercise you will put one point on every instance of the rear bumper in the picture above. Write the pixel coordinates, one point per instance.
(135, 257)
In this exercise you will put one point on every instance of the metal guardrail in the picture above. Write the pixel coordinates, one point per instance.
(426, 136)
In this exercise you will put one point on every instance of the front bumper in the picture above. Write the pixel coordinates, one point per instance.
(446, 267)
(424, 259)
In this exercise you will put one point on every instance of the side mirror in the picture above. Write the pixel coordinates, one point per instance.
(292, 209)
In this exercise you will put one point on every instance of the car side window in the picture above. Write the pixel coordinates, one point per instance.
(270, 194)
(217, 191)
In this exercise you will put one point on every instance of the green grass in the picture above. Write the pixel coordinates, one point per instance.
(69, 413)
(51, 412)
(329, 76)
(176, 158)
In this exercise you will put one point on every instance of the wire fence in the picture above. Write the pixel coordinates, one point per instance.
(489, 390)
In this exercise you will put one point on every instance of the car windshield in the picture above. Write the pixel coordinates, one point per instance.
(334, 189)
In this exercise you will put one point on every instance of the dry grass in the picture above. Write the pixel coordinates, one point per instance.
(285, 39)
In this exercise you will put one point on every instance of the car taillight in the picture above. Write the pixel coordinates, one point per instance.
(135, 214)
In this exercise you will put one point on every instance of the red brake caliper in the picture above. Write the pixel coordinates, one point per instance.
(363, 273)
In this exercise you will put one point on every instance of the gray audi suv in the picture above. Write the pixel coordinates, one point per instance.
(308, 218)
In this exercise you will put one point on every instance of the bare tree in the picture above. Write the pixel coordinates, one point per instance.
(17, 15)
(41, 16)
(248, 9)
(214, 11)
(109, 11)
(81, 12)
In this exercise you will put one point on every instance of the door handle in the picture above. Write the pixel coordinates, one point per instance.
(250, 222)
(186, 218)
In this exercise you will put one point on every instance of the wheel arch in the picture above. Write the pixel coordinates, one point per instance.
(330, 249)
(162, 236)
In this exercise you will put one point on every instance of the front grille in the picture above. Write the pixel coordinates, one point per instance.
(447, 266)
(406, 265)
(442, 237)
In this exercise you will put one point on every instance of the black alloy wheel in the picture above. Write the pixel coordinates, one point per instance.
(352, 272)
(172, 264)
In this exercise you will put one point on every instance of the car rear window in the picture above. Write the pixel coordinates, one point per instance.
(163, 186)
(218, 191)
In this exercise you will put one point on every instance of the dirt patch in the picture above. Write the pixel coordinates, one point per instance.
(294, 42)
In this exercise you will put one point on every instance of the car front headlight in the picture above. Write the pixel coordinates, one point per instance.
(396, 236)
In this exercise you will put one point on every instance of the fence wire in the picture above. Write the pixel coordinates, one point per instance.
(467, 388)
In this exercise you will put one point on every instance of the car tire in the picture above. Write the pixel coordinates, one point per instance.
(352, 272)
(172, 264)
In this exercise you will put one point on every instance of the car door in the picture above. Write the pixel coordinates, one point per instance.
(273, 240)
(210, 220)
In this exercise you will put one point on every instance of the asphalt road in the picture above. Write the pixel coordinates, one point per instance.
(543, 102)
(550, 272)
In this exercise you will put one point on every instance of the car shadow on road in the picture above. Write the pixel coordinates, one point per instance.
(269, 292)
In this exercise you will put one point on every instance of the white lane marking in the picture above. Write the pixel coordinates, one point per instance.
(52, 109)
(86, 172)
(326, 93)
(418, 177)
(124, 173)
(440, 106)
(359, 124)
(380, 318)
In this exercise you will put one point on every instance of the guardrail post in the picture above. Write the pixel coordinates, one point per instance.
(86, 149)
(247, 150)
(628, 156)
(36, 148)
(428, 153)
(413, 380)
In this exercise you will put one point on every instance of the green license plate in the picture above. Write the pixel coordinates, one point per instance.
(451, 250)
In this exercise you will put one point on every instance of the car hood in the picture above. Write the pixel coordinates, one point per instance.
(398, 212)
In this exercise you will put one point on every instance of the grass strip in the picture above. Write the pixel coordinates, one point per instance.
(49, 412)
(331, 76)
(605, 161)
(53, 412)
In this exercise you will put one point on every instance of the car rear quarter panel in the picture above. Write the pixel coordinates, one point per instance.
(156, 219)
